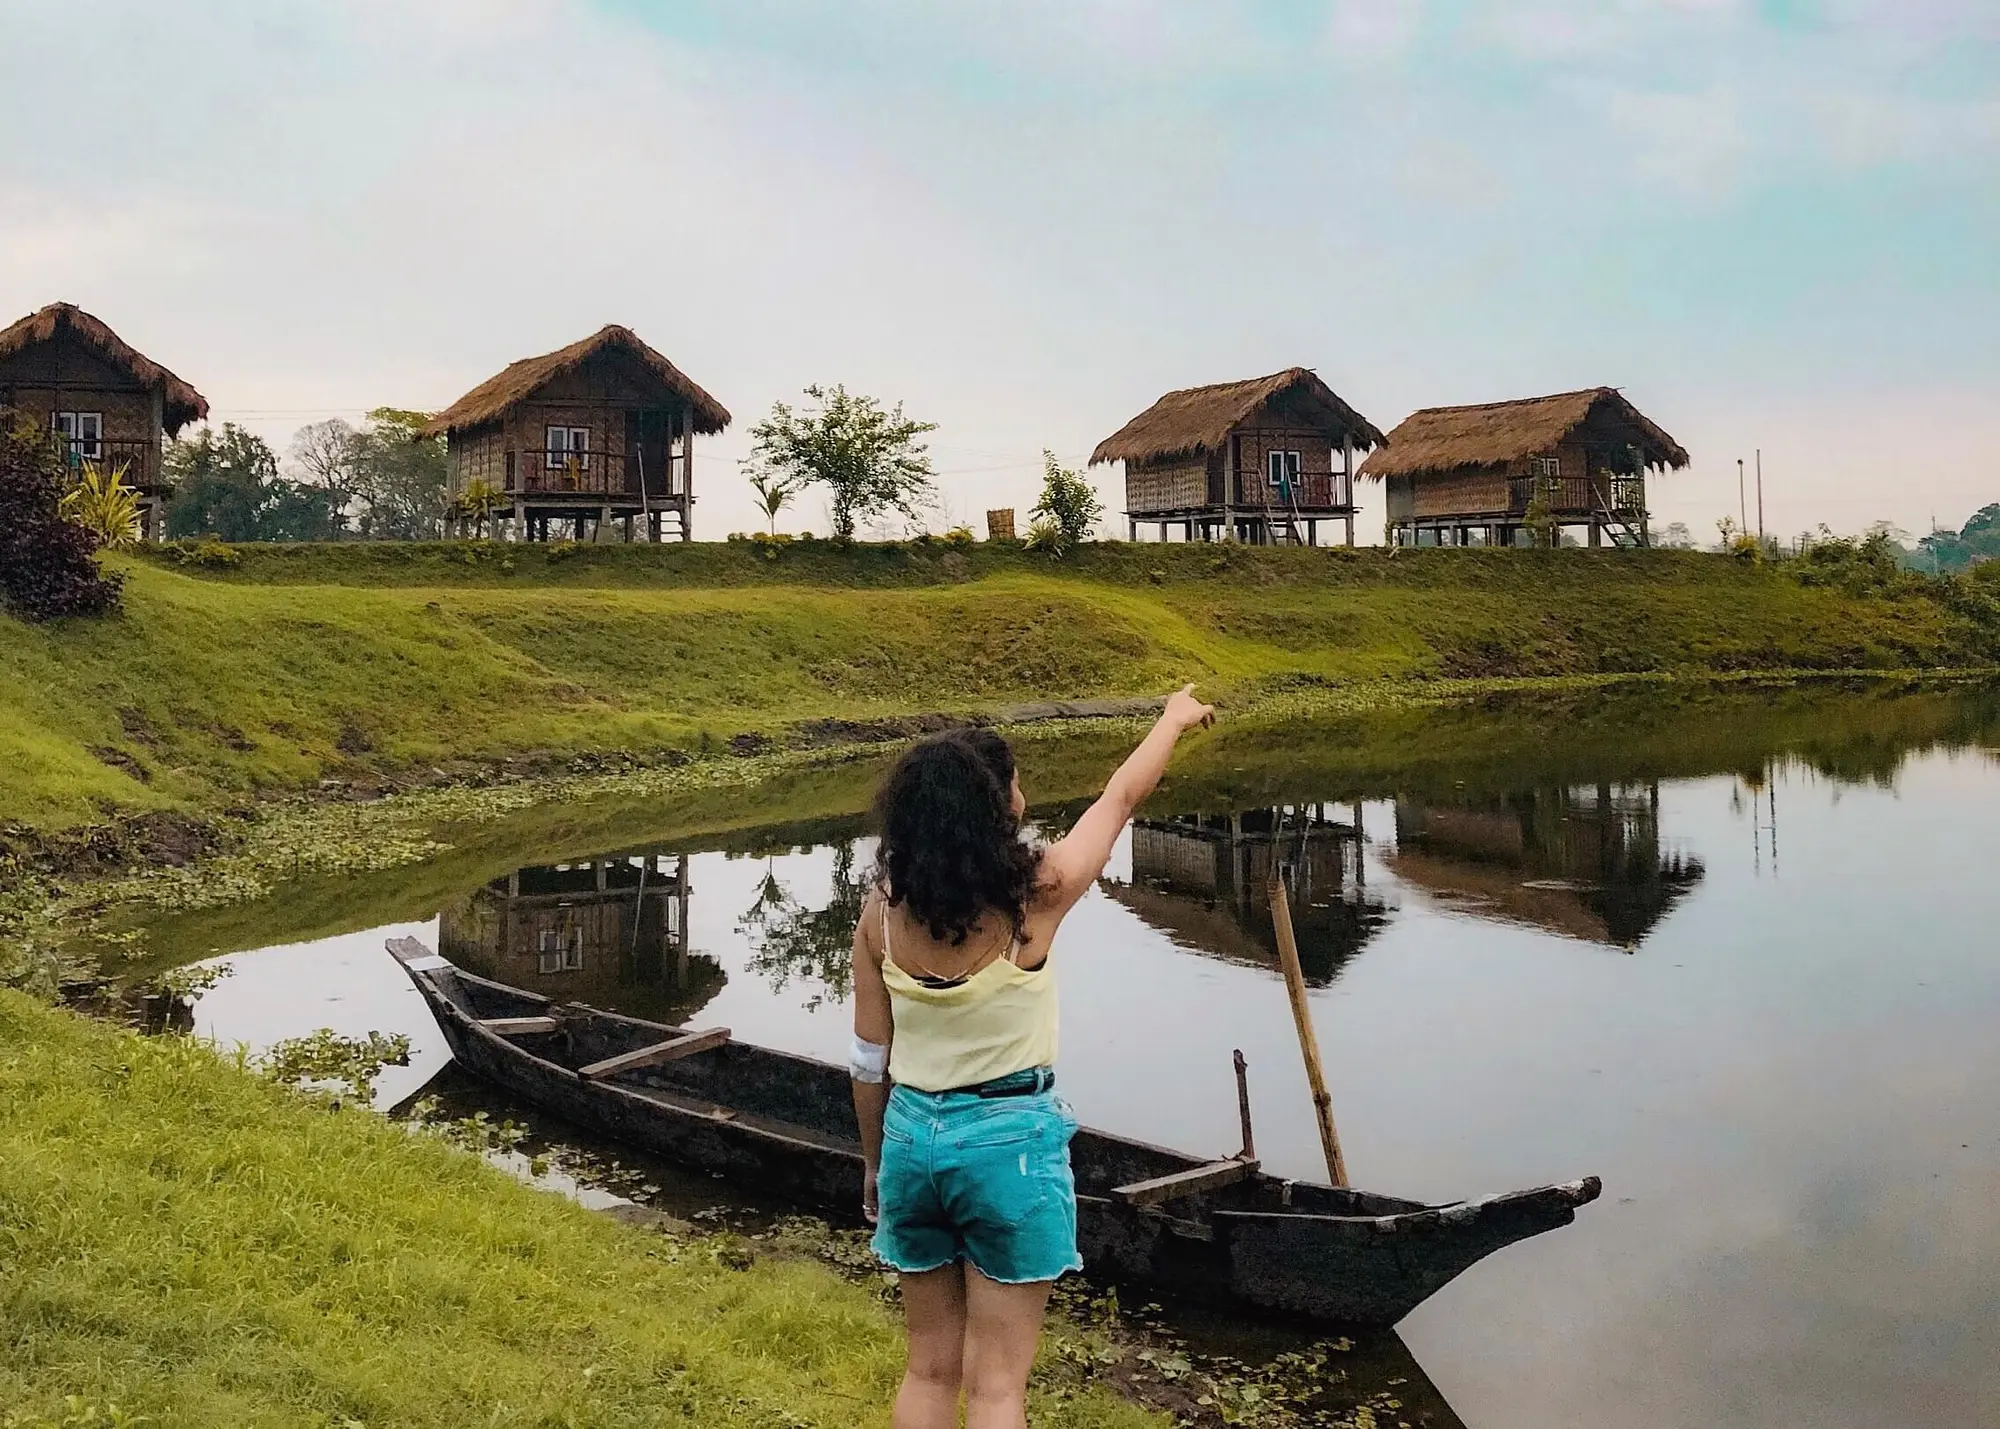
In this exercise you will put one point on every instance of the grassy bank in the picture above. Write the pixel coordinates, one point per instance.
(201, 1248)
(272, 668)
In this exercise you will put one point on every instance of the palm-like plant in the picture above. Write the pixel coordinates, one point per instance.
(775, 491)
(105, 506)
(478, 502)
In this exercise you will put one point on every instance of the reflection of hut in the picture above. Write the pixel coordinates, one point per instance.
(610, 931)
(1584, 862)
(1200, 879)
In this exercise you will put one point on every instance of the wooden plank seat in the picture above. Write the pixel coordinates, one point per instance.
(658, 1052)
(1191, 1182)
(519, 1026)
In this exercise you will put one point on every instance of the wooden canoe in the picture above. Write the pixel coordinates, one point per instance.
(1146, 1216)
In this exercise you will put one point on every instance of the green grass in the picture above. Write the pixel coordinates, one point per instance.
(304, 662)
(187, 1241)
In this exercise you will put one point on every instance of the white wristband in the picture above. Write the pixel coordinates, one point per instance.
(868, 1061)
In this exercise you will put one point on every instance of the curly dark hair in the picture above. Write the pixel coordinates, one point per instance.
(951, 846)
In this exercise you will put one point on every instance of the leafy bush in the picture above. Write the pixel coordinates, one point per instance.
(1861, 565)
(1045, 533)
(1069, 503)
(46, 565)
(960, 536)
(207, 553)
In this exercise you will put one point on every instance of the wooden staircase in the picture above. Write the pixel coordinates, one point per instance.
(1281, 523)
(1618, 526)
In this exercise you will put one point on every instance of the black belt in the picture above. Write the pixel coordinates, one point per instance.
(1015, 1084)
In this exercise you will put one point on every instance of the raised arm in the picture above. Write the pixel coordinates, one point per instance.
(1073, 862)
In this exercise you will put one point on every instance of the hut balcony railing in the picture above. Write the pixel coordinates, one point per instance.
(1319, 491)
(561, 473)
(1578, 495)
(135, 458)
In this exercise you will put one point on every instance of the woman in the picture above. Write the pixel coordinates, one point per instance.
(955, 1004)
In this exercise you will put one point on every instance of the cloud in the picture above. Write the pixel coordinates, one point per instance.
(1693, 142)
(1025, 221)
(1372, 31)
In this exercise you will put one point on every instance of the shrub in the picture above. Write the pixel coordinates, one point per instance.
(105, 506)
(960, 536)
(207, 553)
(1069, 504)
(46, 565)
(1860, 565)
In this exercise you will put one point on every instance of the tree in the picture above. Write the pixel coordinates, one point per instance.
(774, 492)
(326, 452)
(221, 483)
(868, 458)
(1068, 512)
(46, 564)
(227, 485)
(399, 477)
(791, 942)
(1978, 540)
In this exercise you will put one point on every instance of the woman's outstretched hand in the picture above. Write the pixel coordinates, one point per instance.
(1184, 711)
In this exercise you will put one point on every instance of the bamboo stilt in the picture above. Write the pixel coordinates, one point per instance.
(1295, 988)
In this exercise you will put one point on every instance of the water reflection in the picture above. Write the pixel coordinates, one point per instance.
(1755, 1090)
(1200, 880)
(1587, 862)
(794, 942)
(611, 931)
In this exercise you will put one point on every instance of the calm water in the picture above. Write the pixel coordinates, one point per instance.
(1762, 1005)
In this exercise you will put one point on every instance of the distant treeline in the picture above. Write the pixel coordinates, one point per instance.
(380, 481)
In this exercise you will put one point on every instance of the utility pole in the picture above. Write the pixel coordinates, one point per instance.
(1742, 509)
(1760, 496)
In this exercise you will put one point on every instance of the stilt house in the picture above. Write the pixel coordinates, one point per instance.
(108, 403)
(1502, 469)
(1264, 460)
(1200, 879)
(611, 930)
(593, 440)
(1588, 863)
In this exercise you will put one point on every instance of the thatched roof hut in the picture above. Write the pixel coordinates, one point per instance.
(1506, 471)
(180, 403)
(1255, 460)
(1504, 433)
(1197, 420)
(519, 381)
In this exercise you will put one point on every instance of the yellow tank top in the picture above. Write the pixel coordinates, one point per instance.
(1000, 1020)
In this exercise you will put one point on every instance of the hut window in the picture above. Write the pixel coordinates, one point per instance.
(1548, 466)
(1284, 471)
(567, 442)
(82, 433)
(560, 950)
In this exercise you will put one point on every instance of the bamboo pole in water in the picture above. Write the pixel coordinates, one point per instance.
(1295, 988)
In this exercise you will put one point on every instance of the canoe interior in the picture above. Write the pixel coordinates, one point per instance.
(815, 1098)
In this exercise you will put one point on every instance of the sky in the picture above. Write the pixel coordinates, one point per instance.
(1775, 224)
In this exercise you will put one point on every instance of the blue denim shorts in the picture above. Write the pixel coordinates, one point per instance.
(980, 1179)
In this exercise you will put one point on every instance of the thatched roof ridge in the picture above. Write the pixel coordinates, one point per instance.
(182, 403)
(1497, 433)
(1195, 420)
(518, 381)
